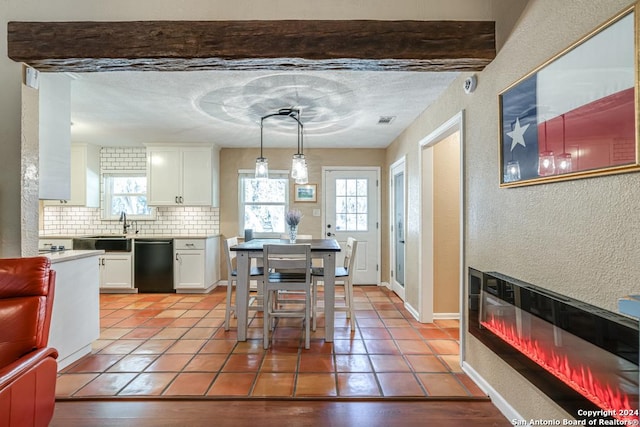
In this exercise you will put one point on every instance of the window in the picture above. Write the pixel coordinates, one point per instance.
(351, 204)
(263, 203)
(126, 191)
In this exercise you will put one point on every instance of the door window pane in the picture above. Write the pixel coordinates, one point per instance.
(351, 204)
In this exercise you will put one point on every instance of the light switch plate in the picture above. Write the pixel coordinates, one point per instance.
(316, 212)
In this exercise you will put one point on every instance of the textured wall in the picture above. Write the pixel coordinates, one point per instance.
(446, 225)
(578, 237)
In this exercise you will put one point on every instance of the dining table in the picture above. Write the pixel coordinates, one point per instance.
(324, 249)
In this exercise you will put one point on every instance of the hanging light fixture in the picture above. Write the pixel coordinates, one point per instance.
(299, 170)
(546, 161)
(262, 164)
(564, 160)
(512, 171)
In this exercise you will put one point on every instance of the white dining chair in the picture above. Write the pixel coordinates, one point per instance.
(256, 273)
(344, 276)
(295, 259)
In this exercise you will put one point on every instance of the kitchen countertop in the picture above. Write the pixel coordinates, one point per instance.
(69, 255)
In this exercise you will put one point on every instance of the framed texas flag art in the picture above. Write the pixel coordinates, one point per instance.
(576, 115)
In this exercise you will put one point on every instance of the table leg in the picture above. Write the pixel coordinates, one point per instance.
(242, 294)
(329, 264)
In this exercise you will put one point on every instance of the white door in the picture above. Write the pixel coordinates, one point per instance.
(351, 209)
(397, 236)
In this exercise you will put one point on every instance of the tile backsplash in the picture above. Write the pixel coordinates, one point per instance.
(182, 220)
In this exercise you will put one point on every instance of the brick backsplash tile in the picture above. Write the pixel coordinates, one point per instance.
(191, 220)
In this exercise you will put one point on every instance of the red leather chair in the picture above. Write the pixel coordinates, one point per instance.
(28, 369)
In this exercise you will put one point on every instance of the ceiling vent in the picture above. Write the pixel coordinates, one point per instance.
(386, 120)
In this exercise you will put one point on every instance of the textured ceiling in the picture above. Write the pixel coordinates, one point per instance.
(339, 109)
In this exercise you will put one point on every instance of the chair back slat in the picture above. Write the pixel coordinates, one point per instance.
(291, 257)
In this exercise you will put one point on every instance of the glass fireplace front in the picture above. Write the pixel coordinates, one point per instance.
(589, 356)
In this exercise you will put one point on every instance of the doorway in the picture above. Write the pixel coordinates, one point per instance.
(352, 209)
(442, 222)
(397, 229)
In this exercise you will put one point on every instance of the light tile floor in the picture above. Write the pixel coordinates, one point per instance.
(175, 345)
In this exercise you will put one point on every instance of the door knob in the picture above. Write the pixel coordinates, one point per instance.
(329, 234)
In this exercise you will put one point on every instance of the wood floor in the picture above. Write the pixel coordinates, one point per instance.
(277, 413)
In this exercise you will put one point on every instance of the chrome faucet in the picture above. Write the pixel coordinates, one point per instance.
(123, 220)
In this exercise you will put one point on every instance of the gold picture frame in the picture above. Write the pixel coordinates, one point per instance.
(575, 116)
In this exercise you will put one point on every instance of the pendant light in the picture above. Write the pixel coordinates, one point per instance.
(299, 170)
(262, 164)
(546, 161)
(512, 171)
(563, 160)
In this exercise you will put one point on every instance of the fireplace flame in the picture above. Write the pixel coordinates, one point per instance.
(578, 377)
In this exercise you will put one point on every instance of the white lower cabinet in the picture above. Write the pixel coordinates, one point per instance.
(195, 265)
(116, 272)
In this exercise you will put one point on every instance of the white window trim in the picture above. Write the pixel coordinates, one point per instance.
(248, 173)
(106, 194)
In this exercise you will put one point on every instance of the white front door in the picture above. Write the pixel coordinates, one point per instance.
(352, 209)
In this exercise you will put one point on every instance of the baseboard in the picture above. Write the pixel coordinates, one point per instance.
(118, 290)
(496, 398)
(446, 316)
(197, 290)
(73, 357)
(413, 311)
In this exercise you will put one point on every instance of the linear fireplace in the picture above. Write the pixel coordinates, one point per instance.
(583, 357)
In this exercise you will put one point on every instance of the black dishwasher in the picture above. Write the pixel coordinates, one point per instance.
(153, 265)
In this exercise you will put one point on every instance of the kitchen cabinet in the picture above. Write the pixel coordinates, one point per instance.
(196, 264)
(75, 320)
(54, 135)
(116, 272)
(85, 177)
(182, 176)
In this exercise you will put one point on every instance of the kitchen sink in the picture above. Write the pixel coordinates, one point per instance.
(108, 243)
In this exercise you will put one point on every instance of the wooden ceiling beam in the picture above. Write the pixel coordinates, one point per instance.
(290, 44)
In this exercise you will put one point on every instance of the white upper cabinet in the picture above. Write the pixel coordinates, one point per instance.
(54, 130)
(186, 176)
(85, 177)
